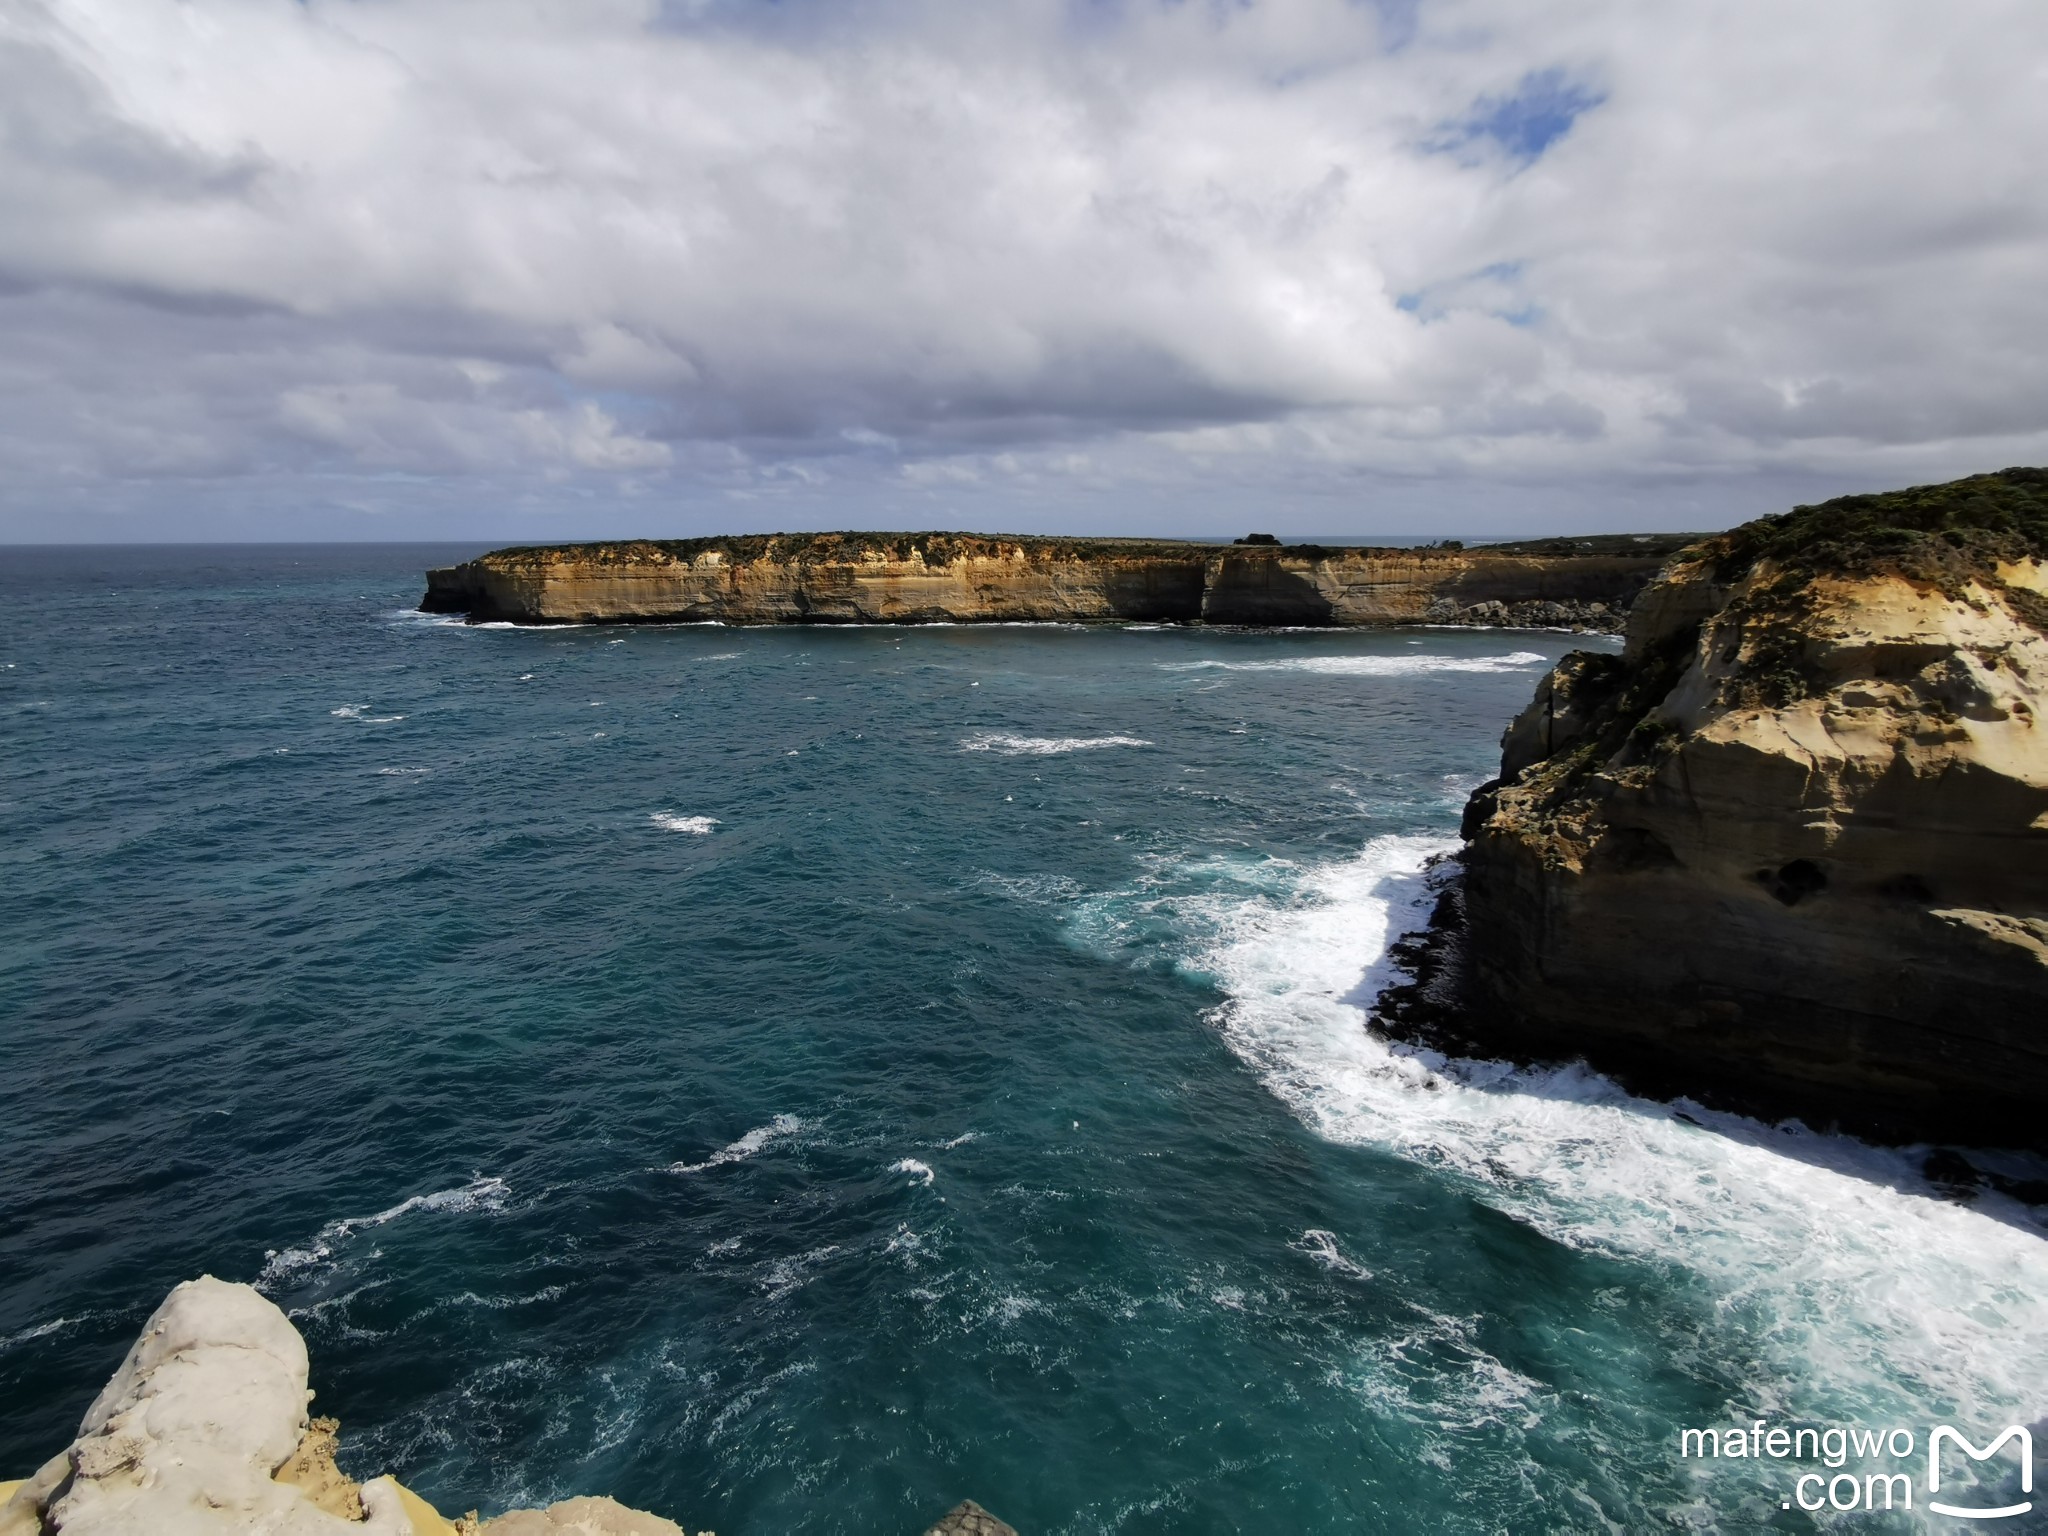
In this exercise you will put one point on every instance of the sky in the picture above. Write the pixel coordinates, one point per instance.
(527, 269)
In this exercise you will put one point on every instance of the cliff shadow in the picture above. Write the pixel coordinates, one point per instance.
(1413, 999)
(1251, 589)
(1155, 591)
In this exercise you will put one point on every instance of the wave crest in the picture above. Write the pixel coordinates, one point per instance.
(1007, 745)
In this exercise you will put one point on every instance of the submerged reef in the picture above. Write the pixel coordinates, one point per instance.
(1789, 851)
(883, 578)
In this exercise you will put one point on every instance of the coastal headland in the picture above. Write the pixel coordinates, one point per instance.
(922, 578)
(1789, 850)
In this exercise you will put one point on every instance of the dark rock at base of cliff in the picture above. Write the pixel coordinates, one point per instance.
(1591, 617)
(1441, 1002)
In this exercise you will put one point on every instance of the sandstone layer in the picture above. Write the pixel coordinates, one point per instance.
(1790, 850)
(968, 578)
(203, 1431)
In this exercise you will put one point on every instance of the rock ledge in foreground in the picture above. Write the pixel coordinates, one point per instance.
(203, 1431)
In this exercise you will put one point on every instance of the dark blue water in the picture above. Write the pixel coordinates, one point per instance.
(794, 1080)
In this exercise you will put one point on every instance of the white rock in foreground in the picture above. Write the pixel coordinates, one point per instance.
(192, 1432)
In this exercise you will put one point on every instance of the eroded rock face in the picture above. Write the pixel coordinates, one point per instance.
(889, 578)
(1790, 850)
(203, 1431)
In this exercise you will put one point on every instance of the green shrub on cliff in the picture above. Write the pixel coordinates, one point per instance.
(1942, 534)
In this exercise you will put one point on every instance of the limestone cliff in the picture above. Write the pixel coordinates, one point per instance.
(966, 578)
(203, 1431)
(1790, 849)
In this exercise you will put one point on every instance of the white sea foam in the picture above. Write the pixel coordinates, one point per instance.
(746, 1146)
(500, 1303)
(1321, 1246)
(401, 773)
(1368, 666)
(39, 1331)
(1871, 1287)
(1042, 746)
(696, 826)
(781, 1276)
(355, 712)
(922, 1172)
(282, 1265)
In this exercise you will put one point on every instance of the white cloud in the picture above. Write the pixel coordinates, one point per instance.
(1651, 263)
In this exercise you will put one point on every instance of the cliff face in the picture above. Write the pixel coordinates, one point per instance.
(926, 578)
(1791, 848)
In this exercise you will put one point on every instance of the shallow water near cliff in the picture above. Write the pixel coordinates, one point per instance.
(793, 1080)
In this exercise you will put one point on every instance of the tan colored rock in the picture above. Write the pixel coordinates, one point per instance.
(1792, 847)
(581, 1517)
(312, 1470)
(960, 578)
(968, 1518)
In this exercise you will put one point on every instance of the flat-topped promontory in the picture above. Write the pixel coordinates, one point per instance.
(925, 578)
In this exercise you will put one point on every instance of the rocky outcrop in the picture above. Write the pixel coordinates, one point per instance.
(967, 578)
(203, 1431)
(968, 1518)
(1790, 849)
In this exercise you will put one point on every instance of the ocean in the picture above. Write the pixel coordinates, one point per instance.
(793, 1080)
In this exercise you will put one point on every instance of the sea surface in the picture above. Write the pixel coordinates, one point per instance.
(793, 1080)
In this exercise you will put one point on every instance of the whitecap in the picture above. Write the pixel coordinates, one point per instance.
(696, 826)
(1875, 1289)
(280, 1265)
(746, 1146)
(355, 712)
(782, 1276)
(1368, 666)
(501, 1303)
(39, 1331)
(1009, 745)
(1321, 1245)
(922, 1172)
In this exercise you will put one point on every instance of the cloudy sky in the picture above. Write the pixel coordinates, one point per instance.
(532, 268)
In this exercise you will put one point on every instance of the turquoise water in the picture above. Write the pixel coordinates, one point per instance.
(794, 1080)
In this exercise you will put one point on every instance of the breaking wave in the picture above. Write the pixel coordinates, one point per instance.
(1900, 1298)
(1367, 666)
(696, 826)
(284, 1265)
(746, 1146)
(1043, 746)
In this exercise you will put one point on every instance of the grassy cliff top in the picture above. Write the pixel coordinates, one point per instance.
(1944, 534)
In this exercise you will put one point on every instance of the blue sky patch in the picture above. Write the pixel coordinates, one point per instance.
(1529, 119)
